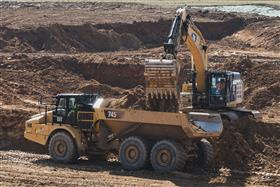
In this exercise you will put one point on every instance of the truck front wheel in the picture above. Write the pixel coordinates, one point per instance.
(62, 148)
(167, 156)
(133, 153)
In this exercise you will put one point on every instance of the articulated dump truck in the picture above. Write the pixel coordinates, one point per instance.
(80, 125)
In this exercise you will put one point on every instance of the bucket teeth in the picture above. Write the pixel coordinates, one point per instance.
(166, 94)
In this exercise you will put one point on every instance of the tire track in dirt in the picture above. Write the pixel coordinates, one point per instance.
(26, 169)
(19, 168)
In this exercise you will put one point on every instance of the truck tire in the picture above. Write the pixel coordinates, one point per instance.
(167, 156)
(133, 153)
(62, 148)
(205, 153)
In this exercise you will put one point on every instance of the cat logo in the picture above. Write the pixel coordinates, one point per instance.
(194, 37)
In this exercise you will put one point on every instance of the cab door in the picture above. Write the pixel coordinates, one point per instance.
(60, 113)
(217, 90)
(71, 117)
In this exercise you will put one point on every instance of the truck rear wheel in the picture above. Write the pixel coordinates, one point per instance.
(133, 153)
(205, 153)
(62, 148)
(167, 156)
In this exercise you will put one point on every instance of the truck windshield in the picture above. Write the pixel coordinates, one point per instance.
(88, 100)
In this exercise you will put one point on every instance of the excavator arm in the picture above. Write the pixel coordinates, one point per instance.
(162, 75)
(184, 29)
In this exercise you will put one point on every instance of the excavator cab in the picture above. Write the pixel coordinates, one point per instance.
(224, 89)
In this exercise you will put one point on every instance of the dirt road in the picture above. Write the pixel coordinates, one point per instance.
(27, 169)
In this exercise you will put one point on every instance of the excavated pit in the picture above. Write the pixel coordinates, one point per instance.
(104, 37)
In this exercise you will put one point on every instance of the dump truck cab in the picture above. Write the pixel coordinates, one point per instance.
(69, 106)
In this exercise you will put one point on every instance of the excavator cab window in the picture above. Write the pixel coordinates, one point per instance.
(217, 90)
(218, 86)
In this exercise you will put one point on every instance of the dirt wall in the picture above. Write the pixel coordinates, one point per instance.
(104, 37)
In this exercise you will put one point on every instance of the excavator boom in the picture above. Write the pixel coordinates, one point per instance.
(162, 75)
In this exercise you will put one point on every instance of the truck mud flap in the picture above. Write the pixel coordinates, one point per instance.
(209, 123)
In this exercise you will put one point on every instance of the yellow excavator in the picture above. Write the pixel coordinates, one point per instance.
(205, 89)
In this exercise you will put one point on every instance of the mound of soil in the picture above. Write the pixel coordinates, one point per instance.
(104, 37)
(218, 30)
(249, 145)
(133, 98)
(58, 38)
(265, 96)
(102, 89)
(12, 126)
(262, 34)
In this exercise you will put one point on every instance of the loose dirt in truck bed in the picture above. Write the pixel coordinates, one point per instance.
(100, 48)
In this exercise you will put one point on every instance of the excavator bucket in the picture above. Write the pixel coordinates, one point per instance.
(161, 78)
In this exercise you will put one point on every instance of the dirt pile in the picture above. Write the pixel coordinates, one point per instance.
(49, 77)
(261, 34)
(12, 127)
(219, 29)
(261, 81)
(133, 98)
(259, 96)
(104, 37)
(58, 38)
(249, 146)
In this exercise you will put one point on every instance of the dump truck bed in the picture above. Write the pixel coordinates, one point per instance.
(163, 124)
(123, 122)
